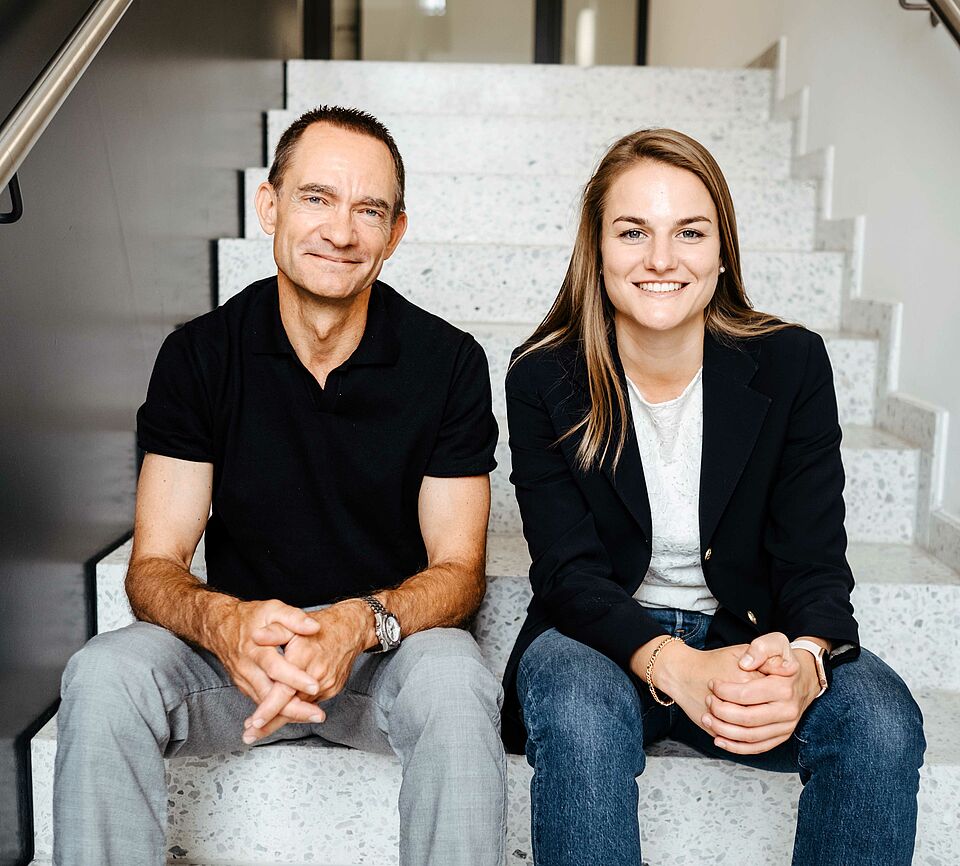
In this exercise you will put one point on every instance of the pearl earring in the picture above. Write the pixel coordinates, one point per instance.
(723, 270)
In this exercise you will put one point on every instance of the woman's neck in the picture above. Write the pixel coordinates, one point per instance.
(661, 364)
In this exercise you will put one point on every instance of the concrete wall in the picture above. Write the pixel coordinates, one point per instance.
(495, 31)
(123, 195)
(885, 90)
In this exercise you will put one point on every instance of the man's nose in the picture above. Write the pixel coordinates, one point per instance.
(337, 227)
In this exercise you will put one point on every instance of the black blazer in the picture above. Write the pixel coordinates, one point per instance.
(772, 540)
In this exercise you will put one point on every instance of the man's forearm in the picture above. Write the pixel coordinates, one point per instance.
(446, 595)
(163, 592)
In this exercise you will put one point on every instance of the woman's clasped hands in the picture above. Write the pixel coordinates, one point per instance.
(749, 697)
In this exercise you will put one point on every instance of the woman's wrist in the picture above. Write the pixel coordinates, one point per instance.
(668, 666)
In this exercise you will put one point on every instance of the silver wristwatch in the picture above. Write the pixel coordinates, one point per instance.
(386, 625)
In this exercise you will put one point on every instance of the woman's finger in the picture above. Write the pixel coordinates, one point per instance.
(763, 648)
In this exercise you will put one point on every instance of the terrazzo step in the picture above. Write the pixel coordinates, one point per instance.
(882, 474)
(454, 142)
(304, 802)
(509, 283)
(502, 89)
(899, 589)
(854, 360)
(515, 209)
(498, 283)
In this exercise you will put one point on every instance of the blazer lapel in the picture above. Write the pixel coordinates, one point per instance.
(627, 478)
(733, 414)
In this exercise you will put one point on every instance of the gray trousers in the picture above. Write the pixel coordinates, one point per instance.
(135, 696)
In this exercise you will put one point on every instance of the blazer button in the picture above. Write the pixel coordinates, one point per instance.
(752, 617)
(708, 554)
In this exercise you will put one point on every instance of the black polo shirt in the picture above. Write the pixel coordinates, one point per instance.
(315, 489)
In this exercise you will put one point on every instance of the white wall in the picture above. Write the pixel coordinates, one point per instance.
(885, 90)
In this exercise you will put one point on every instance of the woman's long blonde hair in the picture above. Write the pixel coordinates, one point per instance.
(582, 313)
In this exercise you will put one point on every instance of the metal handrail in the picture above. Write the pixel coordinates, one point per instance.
(947, 11)
(26, 123)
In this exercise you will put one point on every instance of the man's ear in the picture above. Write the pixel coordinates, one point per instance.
(397, 231)
(265, 202)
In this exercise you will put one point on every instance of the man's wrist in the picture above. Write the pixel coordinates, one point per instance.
(358, 614)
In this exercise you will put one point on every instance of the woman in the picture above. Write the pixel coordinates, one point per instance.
(676, 457)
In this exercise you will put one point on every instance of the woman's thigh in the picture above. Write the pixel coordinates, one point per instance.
(575, 698)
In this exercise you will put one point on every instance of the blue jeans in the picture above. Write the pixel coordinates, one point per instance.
(858, 750)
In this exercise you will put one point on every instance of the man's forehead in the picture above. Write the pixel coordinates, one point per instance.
(321, 141)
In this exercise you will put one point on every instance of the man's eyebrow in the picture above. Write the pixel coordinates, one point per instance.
(323, 189)
(640, 221)
(378, 203)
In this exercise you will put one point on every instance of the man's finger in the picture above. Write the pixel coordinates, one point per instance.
(282, 671)
(293, 618)
(273, 634)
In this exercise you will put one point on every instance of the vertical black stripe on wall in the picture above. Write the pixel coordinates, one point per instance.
(548, 32)
(317, 29)
(643, 13)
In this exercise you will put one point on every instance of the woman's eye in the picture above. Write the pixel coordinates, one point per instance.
(690, 234)
(632, 234)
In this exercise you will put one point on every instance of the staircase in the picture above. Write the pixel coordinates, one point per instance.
(496, 157)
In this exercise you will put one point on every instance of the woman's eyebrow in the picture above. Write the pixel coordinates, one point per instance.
(640, 221)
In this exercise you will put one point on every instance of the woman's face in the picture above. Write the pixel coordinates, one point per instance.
(660, 248)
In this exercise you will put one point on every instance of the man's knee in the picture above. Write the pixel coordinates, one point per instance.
(117, 668)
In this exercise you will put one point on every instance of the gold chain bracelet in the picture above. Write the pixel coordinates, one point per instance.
(651, 663)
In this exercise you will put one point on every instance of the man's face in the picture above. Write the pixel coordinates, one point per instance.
(331, 218)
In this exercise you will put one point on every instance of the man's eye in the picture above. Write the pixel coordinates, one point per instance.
(313, 199)
(374, 214)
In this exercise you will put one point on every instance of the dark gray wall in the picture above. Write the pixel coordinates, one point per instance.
(123, 196)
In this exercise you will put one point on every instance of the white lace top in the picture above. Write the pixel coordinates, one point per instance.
(670, 436)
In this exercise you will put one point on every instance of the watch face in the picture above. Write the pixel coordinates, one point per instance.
(391, 628)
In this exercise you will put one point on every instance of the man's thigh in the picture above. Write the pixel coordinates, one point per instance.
(429, 669)
(147, 675)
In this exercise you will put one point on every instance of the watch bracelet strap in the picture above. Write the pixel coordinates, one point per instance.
(379, 612)
(819, 653)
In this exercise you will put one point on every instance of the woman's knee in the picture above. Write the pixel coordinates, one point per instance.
(873, 718)
(577, 701)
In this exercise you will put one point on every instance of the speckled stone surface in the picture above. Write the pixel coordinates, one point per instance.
(558, 145)
(512, 209)
(945, 538)
(308, 803)
(385, 88)
(510, 283)
(853, 359)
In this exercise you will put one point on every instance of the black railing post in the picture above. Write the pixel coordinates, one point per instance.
(643, 17)
(548, 32)
(317, 29)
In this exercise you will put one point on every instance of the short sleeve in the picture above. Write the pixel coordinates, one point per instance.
(468, 433)
(176, 419)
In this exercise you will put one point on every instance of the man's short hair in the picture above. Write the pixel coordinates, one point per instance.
(352, 119)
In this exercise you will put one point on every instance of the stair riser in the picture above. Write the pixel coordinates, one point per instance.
(557, 146)
(501, 283)
(506, 209)
(648, 94)
(334, 806)
(854, 367)
(931, 613)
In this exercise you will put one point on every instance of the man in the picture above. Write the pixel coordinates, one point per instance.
(344, 438)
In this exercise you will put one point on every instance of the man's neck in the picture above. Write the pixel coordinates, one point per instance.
(324, 332)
